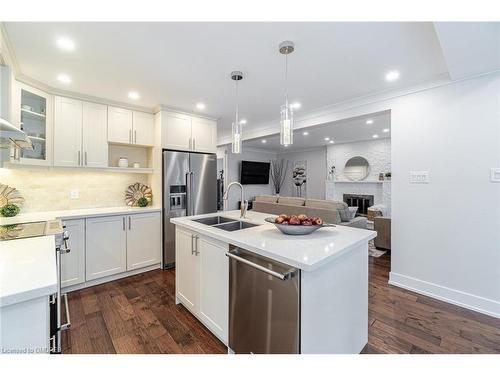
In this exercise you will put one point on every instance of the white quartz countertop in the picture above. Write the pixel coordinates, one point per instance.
(305, 252)
(27, 269)
(75, 214)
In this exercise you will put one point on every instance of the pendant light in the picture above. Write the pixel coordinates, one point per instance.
(286, 123)
(237, 126)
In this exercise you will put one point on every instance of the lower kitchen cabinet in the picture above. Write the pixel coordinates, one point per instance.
(187, 266)
(214, 286)
(202, 279)
(106, 246)
(143, 240)
(73, 263)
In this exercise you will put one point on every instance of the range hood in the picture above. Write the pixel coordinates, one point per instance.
(12, 136)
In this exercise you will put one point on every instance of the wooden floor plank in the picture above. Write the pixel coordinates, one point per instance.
(138, 314)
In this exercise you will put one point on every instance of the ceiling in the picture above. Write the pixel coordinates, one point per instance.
(181, 64)
(344, 131)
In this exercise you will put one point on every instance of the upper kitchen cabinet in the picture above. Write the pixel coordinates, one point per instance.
(188, 133)
(130, 127)
(80, 130)
(32, 113)
(143, 125)
(204, 134)
(119, 125)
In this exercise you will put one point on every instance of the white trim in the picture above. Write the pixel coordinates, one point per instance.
(107, 279)
(453, 296)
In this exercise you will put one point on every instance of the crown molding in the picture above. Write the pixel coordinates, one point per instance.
(163, 107)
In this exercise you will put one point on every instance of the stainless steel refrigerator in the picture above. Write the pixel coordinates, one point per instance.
(189, 188)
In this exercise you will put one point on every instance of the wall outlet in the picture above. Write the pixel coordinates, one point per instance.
(419, 177)
(74, 193)
(495, 175)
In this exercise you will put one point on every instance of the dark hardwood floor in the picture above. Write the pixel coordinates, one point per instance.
(138, 315)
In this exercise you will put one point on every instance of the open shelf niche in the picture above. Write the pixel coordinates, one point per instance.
(141, 155)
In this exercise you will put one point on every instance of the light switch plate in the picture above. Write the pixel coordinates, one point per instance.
(495, 175)
(419, 177)
(74, 193)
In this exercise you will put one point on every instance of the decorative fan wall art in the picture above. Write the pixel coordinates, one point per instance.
(135, 193)
(9, 195)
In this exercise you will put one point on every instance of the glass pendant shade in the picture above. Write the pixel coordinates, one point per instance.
(236, 137)
(286, 128)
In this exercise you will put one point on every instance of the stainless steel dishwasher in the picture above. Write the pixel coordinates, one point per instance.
(264, 304)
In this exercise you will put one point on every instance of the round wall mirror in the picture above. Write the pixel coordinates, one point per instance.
(356, 168)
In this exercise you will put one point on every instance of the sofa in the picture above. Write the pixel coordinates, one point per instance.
(325, 209)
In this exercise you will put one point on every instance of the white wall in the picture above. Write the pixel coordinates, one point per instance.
(316, 172)
(233, 173)
(446, 234)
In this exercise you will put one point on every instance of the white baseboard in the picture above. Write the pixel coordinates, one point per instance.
(456, 297)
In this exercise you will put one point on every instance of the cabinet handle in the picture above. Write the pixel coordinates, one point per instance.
(190, 143)
(194, 143)
(85, 156)
(135, 136)
(195, 247)
(123, 221)
(129, 223)
(78, 157)
(130, 136)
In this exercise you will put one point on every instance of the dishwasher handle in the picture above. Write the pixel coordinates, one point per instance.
(281, 276)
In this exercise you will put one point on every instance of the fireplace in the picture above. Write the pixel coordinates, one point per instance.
(360, 201)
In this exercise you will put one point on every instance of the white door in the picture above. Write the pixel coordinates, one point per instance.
(187, 272)
(176, 131)
(143, 240)
(73, 263)
(143, 126)
(204, 134)
(106, 246)
(119, 125)
(95, 135)
(214, 286)
(68, 132)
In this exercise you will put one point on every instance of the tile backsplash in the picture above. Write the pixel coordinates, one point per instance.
(48, 190)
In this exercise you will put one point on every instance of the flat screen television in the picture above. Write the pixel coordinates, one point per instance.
(254, 173)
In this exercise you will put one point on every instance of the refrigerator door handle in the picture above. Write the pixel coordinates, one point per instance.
(192, 202)
(188, 193)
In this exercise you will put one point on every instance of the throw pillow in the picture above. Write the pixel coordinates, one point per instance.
(345, 214)
(353, 211)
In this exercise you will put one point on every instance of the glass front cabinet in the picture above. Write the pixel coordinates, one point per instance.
(33, 113)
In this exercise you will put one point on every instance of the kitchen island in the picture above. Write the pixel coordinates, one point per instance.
(329, 269)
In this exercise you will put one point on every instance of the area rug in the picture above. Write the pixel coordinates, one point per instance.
(373, 251)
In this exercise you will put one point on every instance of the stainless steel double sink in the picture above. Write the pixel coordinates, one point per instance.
(225, 223)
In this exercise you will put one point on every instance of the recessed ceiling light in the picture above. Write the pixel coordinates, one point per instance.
(200, 106)
(369, 122)
(386, 130)
(285, 145)
(64, 78)
(243, 122)
(305, 133)
(264, 141)
(65, 43)
(327, 138)
(375, 136)
(133, 95)
(295, 105)
(332, 141)
(392, 75)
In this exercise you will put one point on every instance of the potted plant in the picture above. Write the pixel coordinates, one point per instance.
(278, 174)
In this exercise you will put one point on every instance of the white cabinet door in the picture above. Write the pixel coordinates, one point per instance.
(106, 246)
(214, 286)
(176, 131)
(204, 135)
(68, 132)
(143, 240)
(95, 135)
(73, 263)
(187, 270)
(119, 125)
(143, 126)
